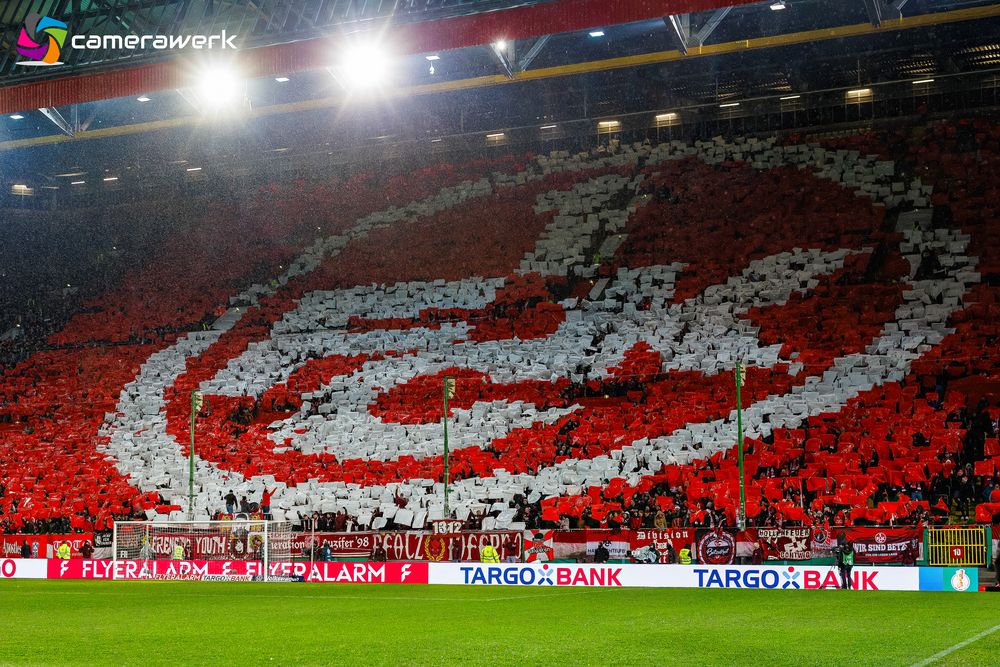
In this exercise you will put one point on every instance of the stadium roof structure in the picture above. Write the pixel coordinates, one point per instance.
(562, 61)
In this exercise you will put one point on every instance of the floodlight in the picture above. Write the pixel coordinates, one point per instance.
(220, 88)
(364, 66)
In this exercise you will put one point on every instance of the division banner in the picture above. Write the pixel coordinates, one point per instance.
(650, 546)
(884, 545)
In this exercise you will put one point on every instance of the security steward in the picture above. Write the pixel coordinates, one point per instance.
(684, 555)
(489, 554)
(63, 552)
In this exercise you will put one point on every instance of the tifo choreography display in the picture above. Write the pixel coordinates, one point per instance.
(592, 361)
(561, 331)
(370, 417)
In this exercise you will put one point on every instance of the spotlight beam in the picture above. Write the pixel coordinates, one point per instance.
(532, 53)
(501, 58)
(57, 119)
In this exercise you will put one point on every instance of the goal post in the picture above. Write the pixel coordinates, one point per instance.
(235, 540)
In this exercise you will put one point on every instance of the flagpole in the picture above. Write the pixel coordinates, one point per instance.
(194, 410)
(739, 430)
(447, 390)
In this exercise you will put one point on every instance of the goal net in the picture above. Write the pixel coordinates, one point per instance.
(235, 540)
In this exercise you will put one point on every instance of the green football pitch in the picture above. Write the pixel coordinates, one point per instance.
(185, 623)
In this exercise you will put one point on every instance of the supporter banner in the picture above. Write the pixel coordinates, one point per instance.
(784, 543)
(884, 545)
(341, 545)
(783, 577)
(650, 546)
(238, 543)
(11, 545)
(43, 546)
(538, 546)
(412, 545)
(446, 526)
(238, 570)
(581, 544)
(823, 542)
(715, 546)
(457, 547)
(75, 542)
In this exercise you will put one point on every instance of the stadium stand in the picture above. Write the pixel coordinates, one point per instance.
(591, 306)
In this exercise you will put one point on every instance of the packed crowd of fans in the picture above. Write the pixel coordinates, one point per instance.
(923, 462)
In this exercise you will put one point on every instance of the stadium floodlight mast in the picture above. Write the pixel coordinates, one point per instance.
(197, 400)
(449, 392)
(740, 373)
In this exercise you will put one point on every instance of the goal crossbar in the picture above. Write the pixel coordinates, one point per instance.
(234, 540)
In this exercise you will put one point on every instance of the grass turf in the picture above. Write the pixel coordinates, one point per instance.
(186, 623)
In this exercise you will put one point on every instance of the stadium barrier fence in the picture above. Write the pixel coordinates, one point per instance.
(958, 545)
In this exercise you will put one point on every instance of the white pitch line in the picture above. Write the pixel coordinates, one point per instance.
(371, 598)
(951, 649)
